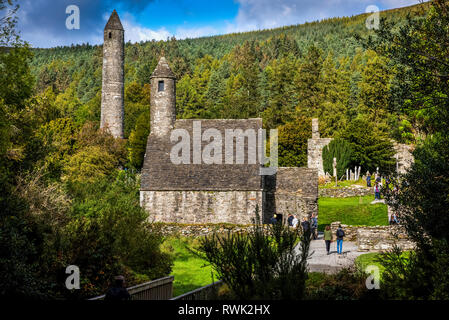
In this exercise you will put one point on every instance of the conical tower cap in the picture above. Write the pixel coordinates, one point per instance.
(163, 70)
(114, 22)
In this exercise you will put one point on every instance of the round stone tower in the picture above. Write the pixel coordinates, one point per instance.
(163, 99)
(112, 94)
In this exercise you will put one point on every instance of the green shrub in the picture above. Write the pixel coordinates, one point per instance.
(262, 264)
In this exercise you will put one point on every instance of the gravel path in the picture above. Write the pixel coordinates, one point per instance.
(321, 262)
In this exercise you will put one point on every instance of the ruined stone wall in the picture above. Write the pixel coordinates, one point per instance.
(236, 207)
(292, 190)
(315, 149)
(345, 192)
(200, 230)
(403, 156)
(112, 93)
(382, 238)
(375, 238)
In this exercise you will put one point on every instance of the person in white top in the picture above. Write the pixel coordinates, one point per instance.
(295, 222)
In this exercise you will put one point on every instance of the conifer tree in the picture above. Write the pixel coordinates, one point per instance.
(340, 149)
(308, 81)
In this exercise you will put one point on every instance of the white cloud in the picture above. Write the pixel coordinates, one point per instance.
(263, 14)
(183, 33)
(136, 33)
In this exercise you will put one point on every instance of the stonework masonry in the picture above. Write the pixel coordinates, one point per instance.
(345, 192)
(315, 149)
(112, 93)
(375, 238)
(403, 156)
(236, 207)
(315, 145)
(292, 190)
(163, 99)
(198, 193)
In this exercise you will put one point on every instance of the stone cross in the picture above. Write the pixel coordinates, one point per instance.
(334, 166)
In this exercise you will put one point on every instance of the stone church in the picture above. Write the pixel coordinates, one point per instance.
(193, 191)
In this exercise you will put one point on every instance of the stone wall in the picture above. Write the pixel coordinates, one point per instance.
(382, 238)
(375, 238)
(200, 230)
(292, 190)
(315, 149)
(345, 192)
(236, 207)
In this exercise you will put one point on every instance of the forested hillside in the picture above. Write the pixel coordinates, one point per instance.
(69, 192)
(285, 75)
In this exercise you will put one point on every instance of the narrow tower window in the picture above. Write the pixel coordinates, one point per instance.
(160, 86)
(110, 35)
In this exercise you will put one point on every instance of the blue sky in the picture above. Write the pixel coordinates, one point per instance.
(42, 22)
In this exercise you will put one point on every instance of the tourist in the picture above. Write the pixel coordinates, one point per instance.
(328, 238)
(274, 219)
(305, 225)
(118, 291)
(379, 181)
(393, 219)
(376, 192)
(340, 234)
(368, 180)
(295, 222)
(314, 226)
(289, 220)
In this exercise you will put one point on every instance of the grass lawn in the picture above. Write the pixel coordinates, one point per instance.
(189, 270)
(370, 259)
(356, 211)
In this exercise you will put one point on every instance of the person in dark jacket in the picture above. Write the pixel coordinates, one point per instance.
(118, 291)
(340, 234)
(290, 220)
(368, 180)
(305, 225)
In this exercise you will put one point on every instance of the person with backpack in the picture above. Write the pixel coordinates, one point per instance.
(340, 234)
(328, 238)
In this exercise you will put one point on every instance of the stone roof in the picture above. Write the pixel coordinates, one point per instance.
(163, 70)
(159, 173)
(114, 22)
